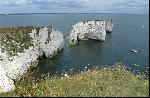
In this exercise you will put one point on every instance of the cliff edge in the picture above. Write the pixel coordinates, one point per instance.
(20, 48)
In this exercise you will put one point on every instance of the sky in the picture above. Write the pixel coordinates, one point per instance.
(74, 6)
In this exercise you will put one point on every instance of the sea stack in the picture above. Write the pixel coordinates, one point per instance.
(20, 48)
(108, 25)
(90, 29)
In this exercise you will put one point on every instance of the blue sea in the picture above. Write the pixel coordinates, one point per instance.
(130, 31)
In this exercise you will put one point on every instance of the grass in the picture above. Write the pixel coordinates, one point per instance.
(114, 82)
(14, 40)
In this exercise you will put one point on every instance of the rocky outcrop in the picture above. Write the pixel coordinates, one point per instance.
(50, 42)
(20, 52)
(108, 25)
(91, 29)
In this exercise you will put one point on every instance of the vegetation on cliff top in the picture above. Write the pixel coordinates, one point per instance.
(116, 81)
(14, 40)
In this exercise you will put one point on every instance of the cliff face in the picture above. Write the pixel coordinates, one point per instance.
(50, 41)
(108, 25)
(92, 29)
(20, 51)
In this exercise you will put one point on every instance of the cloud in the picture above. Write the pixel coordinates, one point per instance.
(7, 3)
(88, 6)
(130, 3)
(131, 6)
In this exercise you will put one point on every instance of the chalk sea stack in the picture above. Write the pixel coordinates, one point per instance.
(20, 49)
(90, 29)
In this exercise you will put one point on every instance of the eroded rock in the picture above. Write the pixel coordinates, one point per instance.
(91, 29)
(20, 51)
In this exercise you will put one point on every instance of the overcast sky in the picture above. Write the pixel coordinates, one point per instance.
(74, 6)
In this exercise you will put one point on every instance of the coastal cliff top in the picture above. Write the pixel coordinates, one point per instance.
(15, 39)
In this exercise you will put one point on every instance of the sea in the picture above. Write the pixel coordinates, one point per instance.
(130, 31)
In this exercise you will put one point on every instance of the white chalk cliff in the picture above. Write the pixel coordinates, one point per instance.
(45, 42)
(108, 25)
(91, 29)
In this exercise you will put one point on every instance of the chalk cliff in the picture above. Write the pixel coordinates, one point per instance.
(108, 25)
(90, 29)
(20, 51)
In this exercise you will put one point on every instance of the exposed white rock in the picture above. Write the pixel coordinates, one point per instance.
(92, 29)
(6, 84)
(48, 41)
(109, 25)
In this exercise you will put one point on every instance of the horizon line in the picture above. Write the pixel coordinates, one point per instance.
(66, 13)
